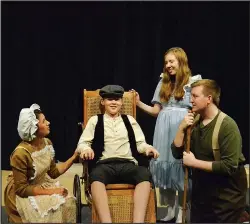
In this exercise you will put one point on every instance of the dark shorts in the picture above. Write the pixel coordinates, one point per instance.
(114, 171)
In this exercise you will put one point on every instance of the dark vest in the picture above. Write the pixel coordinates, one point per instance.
(98, 141)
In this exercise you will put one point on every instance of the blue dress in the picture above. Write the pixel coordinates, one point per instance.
(167, 172)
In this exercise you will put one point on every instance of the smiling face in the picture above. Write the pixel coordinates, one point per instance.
(43, 126)
(112, 106)
(171, 64)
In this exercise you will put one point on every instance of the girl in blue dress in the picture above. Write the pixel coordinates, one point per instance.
(171, 102)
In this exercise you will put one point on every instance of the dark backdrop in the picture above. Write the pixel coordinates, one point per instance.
(51, 51)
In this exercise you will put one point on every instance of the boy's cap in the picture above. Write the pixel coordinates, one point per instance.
(110, 91)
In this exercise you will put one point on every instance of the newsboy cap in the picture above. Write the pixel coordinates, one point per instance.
(111, 91)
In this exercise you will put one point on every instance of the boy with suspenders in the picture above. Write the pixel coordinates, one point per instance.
(218, 174)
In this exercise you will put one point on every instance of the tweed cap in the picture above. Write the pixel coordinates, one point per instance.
(110, 91)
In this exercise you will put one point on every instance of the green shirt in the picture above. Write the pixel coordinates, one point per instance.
(230, 144)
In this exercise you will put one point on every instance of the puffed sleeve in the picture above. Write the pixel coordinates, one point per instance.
(156, 97)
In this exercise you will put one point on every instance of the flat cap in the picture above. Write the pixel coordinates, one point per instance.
(111, 91)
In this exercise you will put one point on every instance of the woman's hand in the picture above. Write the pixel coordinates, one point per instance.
(61, 191)
(137, 96)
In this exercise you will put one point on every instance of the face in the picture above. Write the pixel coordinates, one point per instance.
(198, 99)
(171, 64)
(112, 105)
(43, 126)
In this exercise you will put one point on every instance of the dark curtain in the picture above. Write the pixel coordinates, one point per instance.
(51, 51)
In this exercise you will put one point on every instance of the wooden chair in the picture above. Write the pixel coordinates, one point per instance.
(120, 196)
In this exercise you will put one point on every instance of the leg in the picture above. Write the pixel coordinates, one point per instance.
(141, 196)
(168, 196)
(100, 199)
(140, 176)
(101, 175)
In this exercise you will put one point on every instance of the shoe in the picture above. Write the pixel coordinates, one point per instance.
(179, 216)
(170, 214)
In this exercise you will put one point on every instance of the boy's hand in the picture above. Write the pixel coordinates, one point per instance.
(187, 121)
(87, 154)
(188, 159)
(153, 151)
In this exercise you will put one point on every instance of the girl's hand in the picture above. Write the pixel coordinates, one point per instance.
(137, 96)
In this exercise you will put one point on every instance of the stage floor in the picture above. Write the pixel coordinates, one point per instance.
(67, 180)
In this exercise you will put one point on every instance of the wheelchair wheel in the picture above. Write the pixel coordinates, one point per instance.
(77, 194)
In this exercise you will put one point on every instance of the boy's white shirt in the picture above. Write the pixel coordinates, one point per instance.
(116, 141)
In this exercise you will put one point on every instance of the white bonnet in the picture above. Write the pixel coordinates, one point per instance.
(27, 123)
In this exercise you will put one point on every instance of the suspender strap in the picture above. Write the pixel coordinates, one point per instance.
(215, 135)
(98, 141)
(215, 142)
(131, 136)
(142, 160)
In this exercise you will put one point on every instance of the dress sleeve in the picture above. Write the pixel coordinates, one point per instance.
(53, 171)
(156, 97)
(21, 162)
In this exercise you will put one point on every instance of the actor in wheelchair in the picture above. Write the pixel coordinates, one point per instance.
(114, 144)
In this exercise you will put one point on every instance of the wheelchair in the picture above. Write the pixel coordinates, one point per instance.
(120, 195)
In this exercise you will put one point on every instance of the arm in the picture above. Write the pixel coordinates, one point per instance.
(86, 139)
(179, 137)
(230, 143)
(153, 111)
(190, 160)
(230, 149)
(87, 136)
(63, 167)
(177, 151)
(21, 162)
(57, 169)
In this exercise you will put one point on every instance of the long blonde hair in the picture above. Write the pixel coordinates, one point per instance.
(182, 76)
